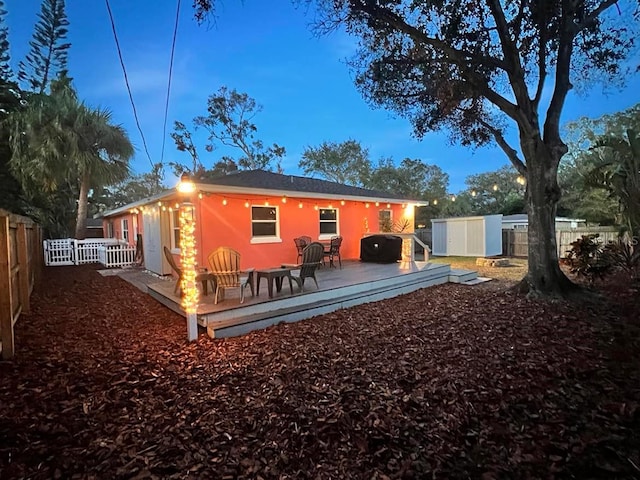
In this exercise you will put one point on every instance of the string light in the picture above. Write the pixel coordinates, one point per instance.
(177, 206)
(266, 203)
(164, 209)
(342, 202)
(200, 195)
(377, 204)
(388, 205)
(495, 187)
(435, 202)
(246, 204)
(188, 259)
(331, 206)
(453, 198)
(473, 193)
(224, 201)
(159, 204)
(315, 207)
(284, 199)
(299, 204)
(366, 205)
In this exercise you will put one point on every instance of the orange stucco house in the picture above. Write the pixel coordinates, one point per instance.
(258, 213)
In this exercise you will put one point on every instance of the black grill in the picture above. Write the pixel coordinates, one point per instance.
(381, 249)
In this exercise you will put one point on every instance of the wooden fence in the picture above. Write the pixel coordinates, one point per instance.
(20, 269)
(516, 244)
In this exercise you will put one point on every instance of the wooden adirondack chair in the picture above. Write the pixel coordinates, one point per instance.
(311, 260)
(224, 263)
(203, 277)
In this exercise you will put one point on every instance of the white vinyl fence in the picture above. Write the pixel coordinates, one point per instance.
(107, 251)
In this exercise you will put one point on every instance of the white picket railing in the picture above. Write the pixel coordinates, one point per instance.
(110, 252)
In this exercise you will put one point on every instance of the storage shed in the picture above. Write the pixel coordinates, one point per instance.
(467, 236)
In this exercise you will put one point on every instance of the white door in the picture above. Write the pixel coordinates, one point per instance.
(152, 241)
(457, 238)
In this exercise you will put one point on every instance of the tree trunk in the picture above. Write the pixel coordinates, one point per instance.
(81, 219)
(544, 277)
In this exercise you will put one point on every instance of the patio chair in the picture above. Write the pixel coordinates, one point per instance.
(224, 263)
(311, 259)
(333, 251)
(301, 243)
(203, 277)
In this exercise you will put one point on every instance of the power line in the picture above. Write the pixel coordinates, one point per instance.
(166, 106)
(126, 81)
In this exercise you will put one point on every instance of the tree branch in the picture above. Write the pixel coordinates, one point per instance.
(511, 153)
(454, 56)
(512, 57)
(578, 27)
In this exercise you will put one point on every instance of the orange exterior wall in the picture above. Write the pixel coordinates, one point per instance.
(230, 225)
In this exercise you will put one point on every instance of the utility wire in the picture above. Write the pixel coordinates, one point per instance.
(126, 81)
(166, 106)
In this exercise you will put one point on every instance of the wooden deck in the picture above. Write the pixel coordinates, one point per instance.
(355, 284)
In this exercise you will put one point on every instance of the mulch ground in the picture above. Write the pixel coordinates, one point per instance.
(447, 382)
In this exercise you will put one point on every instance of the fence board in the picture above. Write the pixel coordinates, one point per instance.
(19, 268)
(515, 243)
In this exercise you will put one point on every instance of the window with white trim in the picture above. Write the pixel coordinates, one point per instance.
(110, 229)
(125, 229)
(265, 225)
(328, 222)
(174, 225)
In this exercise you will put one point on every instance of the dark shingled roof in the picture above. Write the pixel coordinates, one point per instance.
(275, 181)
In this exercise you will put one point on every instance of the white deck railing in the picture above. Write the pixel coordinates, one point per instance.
(110, 252)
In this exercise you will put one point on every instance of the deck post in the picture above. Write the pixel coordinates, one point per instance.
(192, 326)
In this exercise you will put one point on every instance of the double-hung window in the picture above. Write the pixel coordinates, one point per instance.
(174, 225)
(125, 229)
(328, 223)
(265, 224)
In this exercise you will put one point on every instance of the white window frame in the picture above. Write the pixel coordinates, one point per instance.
(328, 236)
(174, 225)
(124, 229)
(270, 238)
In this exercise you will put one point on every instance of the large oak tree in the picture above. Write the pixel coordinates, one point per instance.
(477, 67)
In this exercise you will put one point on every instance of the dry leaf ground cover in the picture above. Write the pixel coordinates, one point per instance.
(447, 382)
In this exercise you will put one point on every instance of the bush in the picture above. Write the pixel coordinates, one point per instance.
(587, 258)
(624, 255)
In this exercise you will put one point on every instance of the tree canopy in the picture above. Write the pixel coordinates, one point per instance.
(229, 123)
(47, 57)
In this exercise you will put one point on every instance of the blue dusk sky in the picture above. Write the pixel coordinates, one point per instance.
(265, 49)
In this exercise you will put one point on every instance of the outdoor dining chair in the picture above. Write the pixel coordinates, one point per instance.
(224, 263)
(311, 259)
(301, 243)
(203, 277)
(333, 251)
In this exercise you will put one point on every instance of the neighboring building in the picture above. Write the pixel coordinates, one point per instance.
(258, 213)
(521, 221)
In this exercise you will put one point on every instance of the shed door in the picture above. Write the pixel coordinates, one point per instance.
(152, 242)
(456, 238)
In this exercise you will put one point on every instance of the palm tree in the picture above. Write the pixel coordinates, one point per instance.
(58, 140)
(101, 157)
(618, 171)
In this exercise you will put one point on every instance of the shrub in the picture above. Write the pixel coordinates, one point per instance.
(624, 255)
(587, 258)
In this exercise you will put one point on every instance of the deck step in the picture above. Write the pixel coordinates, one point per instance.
(328, 302)
(458, 275)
